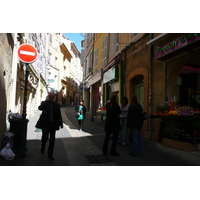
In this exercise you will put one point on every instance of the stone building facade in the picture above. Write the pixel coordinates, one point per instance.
(6, 56)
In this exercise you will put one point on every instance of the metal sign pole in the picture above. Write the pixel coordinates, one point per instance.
(27, 54)
(23, 148)
(25, 91)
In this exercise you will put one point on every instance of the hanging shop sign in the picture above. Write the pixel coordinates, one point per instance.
(177, 43)
(84, 85)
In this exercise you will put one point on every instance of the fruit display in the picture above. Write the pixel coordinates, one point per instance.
(170, 109)
(173, 112)
(101, 109)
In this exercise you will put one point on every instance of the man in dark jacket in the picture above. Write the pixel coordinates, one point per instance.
(49, 121)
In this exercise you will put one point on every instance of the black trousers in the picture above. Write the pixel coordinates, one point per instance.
(47, 131)
(80, 122)
(114, 142)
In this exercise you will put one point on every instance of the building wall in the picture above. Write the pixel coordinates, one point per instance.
(6, 47)
(64, 70)
(137, 63)
(54, 50)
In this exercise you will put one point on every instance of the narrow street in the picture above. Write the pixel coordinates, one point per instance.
(151, 155)
(74, 148)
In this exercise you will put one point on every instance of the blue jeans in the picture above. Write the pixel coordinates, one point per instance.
(123, 134)
(136, 134)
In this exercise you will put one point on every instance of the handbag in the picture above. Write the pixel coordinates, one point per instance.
(145, 116)
(77, 114)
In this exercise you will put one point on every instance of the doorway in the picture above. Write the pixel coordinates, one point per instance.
(137, 88)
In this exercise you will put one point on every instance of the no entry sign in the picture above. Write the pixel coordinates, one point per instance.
(27, 53)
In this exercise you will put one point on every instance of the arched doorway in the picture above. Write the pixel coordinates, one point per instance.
(137, 88)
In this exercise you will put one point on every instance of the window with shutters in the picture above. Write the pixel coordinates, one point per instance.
(104, 51)
(90, 62)
(133, 35)
(56, 62)
(57, 45)
(50, 39)
(96, 60)
(50, 58)
(117, 42)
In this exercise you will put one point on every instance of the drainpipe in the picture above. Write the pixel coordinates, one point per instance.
(150, 81)
(124, 72)
(165, 67)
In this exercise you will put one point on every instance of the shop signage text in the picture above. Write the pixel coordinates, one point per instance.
(177, 43)
(51, 80)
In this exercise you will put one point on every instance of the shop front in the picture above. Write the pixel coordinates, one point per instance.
(177, 68)
(109, 86)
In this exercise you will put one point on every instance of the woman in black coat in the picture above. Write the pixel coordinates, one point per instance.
(135, 123)
(112, 125)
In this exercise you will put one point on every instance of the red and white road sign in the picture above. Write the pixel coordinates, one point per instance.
(27, 53)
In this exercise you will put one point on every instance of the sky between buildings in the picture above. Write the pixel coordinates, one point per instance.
(76, 38)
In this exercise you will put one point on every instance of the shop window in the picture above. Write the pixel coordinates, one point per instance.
(189, 83)
(193, 81)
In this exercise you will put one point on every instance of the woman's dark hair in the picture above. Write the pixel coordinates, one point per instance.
(133, 100)
(126, 99)
(113, 100)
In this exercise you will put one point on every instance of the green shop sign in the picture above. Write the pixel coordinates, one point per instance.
(176, 44)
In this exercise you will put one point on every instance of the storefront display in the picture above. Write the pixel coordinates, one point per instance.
(178, 123)
(177, 120)
(102, 113)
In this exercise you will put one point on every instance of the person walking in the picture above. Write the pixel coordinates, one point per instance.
(135, 123)
(112, 125)
(123, 133)
(50, 121)
(82, 110)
